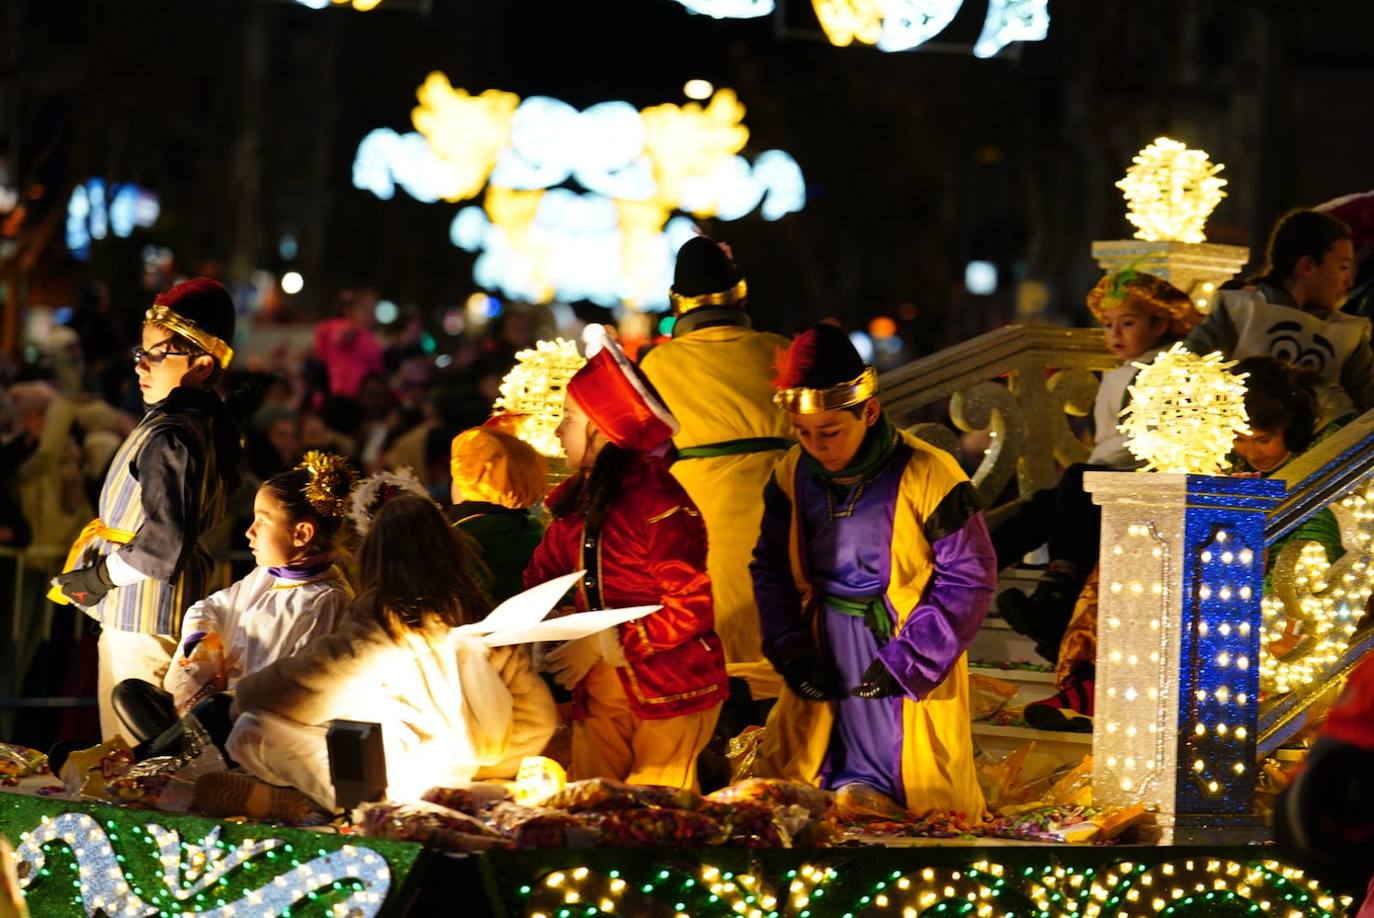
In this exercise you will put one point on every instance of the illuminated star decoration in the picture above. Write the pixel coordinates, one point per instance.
(533, 391)
(1171, 191)
(638, 179)
(1185, 412)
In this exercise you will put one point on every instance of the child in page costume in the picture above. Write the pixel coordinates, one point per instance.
(450, 708)
(497, 480)
(872, 572)
(1141, 315)
(646, 695)
(714, 376)
(140, 566)
(295, 594)
(1293, 312)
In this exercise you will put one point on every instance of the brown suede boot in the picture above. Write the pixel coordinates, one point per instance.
(225, 793)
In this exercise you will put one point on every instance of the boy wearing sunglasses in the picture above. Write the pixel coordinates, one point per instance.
(140, 565)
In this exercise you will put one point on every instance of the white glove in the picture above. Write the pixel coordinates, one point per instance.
(570, 663)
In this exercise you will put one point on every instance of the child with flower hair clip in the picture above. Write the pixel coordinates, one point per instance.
(296, 593)
(450, 708)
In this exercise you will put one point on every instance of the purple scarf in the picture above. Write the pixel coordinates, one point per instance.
(305, 568)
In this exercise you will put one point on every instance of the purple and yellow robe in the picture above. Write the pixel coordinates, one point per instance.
(909, 545)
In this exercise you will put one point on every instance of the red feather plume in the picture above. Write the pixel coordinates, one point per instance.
(791, 365)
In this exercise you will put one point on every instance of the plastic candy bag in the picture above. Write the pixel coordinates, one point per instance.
(199, 672)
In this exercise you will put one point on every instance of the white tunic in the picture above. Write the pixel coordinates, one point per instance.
(1109, 444)
(262, 618)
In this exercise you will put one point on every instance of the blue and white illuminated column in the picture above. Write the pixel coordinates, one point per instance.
(1176, 709)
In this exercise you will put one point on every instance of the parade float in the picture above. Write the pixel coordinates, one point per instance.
(1160, 811)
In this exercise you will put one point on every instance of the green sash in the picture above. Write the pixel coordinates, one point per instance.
(734, 447)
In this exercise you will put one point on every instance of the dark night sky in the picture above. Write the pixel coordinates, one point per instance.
(915, 162)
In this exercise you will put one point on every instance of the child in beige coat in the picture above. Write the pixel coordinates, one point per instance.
(449, 707)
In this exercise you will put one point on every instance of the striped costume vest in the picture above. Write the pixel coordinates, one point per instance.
(156, 606)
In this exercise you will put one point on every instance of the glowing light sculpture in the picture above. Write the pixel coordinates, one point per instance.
(467, 132)
(1171, 190)
(692, 141)
(730, 9)
(534, 390)
(538, 239)
(1012, 20)
(1185, 412)
(891, 25)
(386, 159)
(106, 883)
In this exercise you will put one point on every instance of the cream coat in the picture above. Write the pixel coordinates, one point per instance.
(448, 706)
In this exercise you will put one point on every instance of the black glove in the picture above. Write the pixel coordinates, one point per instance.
(85, 586)
(808, 678)
(878, 682)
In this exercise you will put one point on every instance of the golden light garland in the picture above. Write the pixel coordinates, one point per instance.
(1185, 412)
(534, 390)
(1171, 191)
(1317, 602)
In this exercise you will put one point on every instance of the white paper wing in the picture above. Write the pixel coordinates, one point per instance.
(524, 610)
(568, 627)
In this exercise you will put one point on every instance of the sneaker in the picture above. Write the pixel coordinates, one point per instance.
(225, 793)
(1068, 711)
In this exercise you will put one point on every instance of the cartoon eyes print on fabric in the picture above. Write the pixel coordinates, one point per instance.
(1286, 344)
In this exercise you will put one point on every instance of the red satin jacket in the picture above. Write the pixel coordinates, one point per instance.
(652, 551)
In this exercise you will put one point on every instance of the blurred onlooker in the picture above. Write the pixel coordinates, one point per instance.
(49, 472)
(272, 441)
(14, 528)
(346, 345)
(379, 421)
(316, 434)
(424, 447)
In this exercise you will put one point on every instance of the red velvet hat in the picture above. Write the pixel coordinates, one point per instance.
(621, 402)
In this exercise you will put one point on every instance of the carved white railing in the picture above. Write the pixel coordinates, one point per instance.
(1021, 385)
